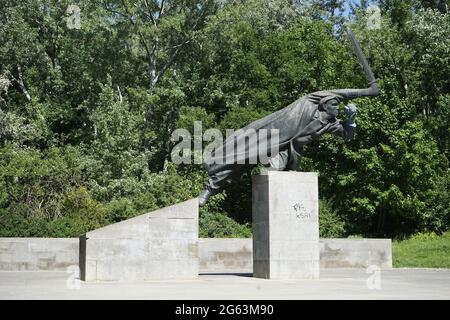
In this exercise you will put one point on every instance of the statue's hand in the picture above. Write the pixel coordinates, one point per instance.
(350, 110)
(375, 88)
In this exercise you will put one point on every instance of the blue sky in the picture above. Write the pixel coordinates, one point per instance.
(347, 5)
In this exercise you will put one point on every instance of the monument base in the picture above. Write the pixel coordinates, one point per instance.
(285, 211)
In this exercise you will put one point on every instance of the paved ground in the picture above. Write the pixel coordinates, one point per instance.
(333, 284)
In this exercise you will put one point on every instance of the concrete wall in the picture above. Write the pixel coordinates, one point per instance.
(235, 255)
(30, 254)
(225, 255)
(157, 245)
(355, 253)
(215, 255)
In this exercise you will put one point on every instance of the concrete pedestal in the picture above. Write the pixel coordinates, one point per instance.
(154, 246)
(286, 225)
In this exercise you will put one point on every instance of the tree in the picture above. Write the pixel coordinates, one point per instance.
(87, 109)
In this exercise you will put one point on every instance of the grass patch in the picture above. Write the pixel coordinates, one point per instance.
(424, 250)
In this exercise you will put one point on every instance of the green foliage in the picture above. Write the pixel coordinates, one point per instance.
(422, 250)
(330, 224)
(215, 223)
(219, 225)
(13, 224)
(86, 115)
(238, 117)
(120, 209)
(36, 182)
(387, 177)
(438, 202)
(81, 214)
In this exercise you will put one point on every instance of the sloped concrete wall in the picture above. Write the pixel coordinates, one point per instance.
(158, 245)
(38, 254)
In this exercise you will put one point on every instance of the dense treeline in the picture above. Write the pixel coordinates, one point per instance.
(87, 110)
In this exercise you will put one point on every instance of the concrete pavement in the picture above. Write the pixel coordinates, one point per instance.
(333, 284)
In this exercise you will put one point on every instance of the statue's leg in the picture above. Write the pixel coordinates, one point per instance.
(217, 180)
(294, 159)
(279, 162)
(218, 177)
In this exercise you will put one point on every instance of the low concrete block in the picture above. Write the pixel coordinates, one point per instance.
(38, 254)
(225, 255)
(355, 253)
(236, 255)
(158, 245)
(215, 254)
(285, 211)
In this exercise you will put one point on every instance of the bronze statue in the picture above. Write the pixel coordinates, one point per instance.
(303, 121)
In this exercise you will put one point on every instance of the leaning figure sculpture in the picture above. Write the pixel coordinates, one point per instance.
(303, 121)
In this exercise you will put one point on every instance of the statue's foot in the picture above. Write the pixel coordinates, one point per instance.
(204, 196)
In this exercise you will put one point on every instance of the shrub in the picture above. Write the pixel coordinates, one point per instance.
(120, 209)
(219, 225)
(330, 224)
(81, 214)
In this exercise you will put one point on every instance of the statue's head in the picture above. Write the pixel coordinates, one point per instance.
(330, 104)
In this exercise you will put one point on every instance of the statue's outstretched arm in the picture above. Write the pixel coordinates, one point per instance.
(347, 94)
